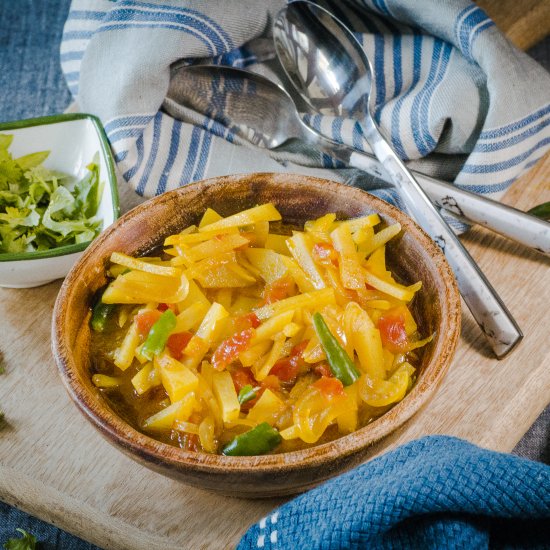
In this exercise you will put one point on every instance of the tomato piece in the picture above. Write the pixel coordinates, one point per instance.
(164, 307)
(145, 320)
(392, 331)
(242, 377)
(278, 290)
(177, 342)
(329, 387)
(298, 350)
(324, 254)
(323, 369)
(287, 368)
(229, 349)
(250, 320)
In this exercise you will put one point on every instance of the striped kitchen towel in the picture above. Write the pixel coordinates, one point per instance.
(458, 100)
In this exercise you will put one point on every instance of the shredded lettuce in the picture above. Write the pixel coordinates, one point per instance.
(41, 208)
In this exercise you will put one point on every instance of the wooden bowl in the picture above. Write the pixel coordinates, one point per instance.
(413, 256)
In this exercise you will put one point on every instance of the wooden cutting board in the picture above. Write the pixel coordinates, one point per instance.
(525, 23)
(54, 465)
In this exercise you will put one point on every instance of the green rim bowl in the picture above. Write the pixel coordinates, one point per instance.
(73, 140)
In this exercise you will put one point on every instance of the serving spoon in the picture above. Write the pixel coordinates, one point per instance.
(331, 72)
(261, 112)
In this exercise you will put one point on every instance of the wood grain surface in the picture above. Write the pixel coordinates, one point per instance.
(526, 22)
(54, 465)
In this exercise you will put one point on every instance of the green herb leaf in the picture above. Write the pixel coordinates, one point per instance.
(27, 542)
(88, 190)
(15, 216)
(32, 160)
(61, 201)
(40, 208)
(10, 174)
(5, 141)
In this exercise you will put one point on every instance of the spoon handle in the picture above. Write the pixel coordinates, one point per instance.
(494, 319)
(505, 220)
(469, 207)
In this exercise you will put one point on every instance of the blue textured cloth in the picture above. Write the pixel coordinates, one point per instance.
(434, 493)
(48, 536)
(455, 97)
(30, 75)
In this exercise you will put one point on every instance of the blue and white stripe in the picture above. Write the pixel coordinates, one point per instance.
(421, 63)
(128, 14)
(469, 24)
(80, 27)
(379, 6)
(502, 154)
(152, 164)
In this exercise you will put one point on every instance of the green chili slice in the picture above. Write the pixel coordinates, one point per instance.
(100, 315)
(247, 393)
(541, 211)
(158, 335)
(341, 365)
(260, 440)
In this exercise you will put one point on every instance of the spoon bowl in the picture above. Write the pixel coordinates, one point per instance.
(342, 75)
(247, 103)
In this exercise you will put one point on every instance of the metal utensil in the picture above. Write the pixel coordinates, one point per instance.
(262, 112)
(332, 73)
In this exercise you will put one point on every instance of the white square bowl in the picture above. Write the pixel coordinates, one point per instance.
(73, 140)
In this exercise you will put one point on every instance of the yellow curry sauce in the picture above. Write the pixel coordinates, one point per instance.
(241, 340)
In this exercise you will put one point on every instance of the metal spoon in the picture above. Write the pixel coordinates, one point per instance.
(332, 73)
(263, 113)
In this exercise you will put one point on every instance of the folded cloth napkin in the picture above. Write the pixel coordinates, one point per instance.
(433, 493)
(455, 97)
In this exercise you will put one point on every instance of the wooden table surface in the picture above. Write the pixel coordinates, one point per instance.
(54, 465)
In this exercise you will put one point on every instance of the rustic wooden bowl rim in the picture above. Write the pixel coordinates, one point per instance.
(97, 411)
